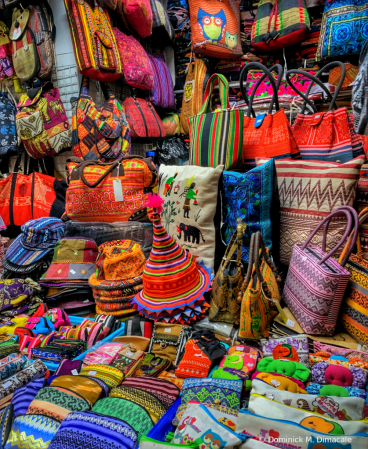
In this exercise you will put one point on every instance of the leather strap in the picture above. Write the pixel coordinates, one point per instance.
(363, 215)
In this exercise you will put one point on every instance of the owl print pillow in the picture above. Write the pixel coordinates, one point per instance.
(191, 213)
(199, 427)
(215, 28)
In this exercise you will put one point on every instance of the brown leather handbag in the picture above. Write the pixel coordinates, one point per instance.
(228, 281)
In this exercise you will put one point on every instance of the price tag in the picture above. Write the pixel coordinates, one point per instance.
(275, 382)
(75, 372)
(239, 348)
(118, 190)
(129, 354)
(92, 373)
(290, 323)
(7, 384)
(72, 271)
(168, 330)
(16, 33)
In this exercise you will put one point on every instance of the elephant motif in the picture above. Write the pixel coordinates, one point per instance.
(56, 106)
(42, 106)
(189, 232)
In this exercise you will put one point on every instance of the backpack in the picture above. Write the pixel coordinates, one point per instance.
(8, 132)
(58, 317)
(32, 35)
(42, 123)
(40, 325)
(95, 47)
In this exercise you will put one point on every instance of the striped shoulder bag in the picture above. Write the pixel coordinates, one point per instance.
(216, 138)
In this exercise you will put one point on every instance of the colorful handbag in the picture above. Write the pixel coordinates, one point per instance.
(143, 120)
(259, 292)
(325, 136)
(138, 14)
(42, 123)
(194, 89)
(355, 306)
(95, 47)
(216, 137)
(267, 135)
(340, 18)
(278, 25)
(228, 281)
(136, 65)
(215, 27)
(316, 282)
(91, 189)
(162, 94)
(100, 133)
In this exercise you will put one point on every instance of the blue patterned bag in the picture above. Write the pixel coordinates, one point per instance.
(252, 196)
(344, 28)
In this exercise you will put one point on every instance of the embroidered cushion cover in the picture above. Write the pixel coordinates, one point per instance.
(215, 28)
(190, 208)
(309, 191)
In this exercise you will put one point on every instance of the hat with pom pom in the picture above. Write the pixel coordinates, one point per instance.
(173, 281)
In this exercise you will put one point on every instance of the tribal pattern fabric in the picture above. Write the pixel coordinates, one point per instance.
(111, 376)
(11, 364)
(89, 430)
(133, 414)
(6, 421)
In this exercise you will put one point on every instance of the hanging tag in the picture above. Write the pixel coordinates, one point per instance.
(290, 323)
(259, 120)
(167, 329)
(118, 190)
(16, 33)
(7, 384)
(92, 373)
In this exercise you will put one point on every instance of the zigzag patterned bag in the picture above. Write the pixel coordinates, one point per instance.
(316, 282)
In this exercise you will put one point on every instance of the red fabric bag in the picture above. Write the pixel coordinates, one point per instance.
(143, 119)
(325, 136)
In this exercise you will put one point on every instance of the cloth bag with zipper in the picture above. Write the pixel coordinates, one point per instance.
(88, 186)
(325, 136)
(100, 133)
(259, 294)
(316, 282)
(354, 309)
(267, 135)
(168, 341)
(162, 95)
(194, 88)
(216, 137)
(143, 120)
(228, 281)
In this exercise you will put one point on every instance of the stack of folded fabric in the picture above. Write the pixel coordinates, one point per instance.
(309, 46)
(66, 280)
(118, 277)
(30, 251)
(173, 282)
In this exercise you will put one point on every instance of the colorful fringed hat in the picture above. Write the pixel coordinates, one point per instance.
(173, 281)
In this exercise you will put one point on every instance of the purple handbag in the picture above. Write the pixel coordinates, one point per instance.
(162, 94)
(316, 282)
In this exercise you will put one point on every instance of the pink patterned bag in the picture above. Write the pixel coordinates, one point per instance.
(316, 282)
(136, 65)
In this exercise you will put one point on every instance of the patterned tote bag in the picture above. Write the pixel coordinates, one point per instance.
(325, 136)
(216, 137)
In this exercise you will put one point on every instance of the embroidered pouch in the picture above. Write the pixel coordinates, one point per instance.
(103, 355)
(58, 317)
(334, 407)
(166, 340)
(224, 393)
(133, 414)
(198, 425)
(83, 386)
(298, 342)
(152, 366)
(14, 292)
(111, 376)
(25, 395)
(95, 430)
(127, 361)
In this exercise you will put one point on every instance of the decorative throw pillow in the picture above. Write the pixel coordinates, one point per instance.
(200, 426)
(253, 197)
(190, 213)
(324, 373)
(309, 191)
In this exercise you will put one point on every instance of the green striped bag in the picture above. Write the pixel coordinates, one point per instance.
(216, 138)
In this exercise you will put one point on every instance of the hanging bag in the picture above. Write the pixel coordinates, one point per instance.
(194, 89)
(354, 316)
(228, 281)
(316, 282)
(325, 136)
(162, 94)
(216, 137)
(259, 294)
(267, 135)
(91, 191)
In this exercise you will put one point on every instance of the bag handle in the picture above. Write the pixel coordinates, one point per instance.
(232, 246)
(216, 79)
(326, 221)
(363, 215)
(257, 65)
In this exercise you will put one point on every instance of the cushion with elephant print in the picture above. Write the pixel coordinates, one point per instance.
(191, 212)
